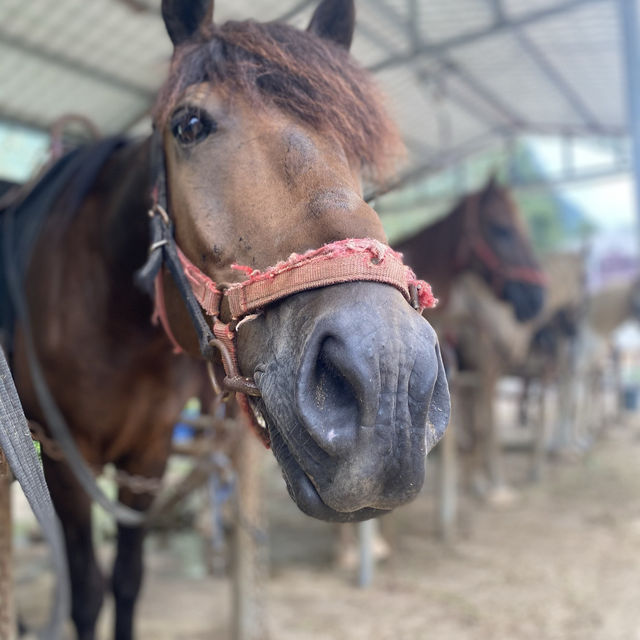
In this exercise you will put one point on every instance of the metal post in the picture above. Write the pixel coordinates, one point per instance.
(630, 34)
(366, 532)
(448, 484)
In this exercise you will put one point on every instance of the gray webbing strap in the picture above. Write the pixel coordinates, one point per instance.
(55, 420)
(16, 442)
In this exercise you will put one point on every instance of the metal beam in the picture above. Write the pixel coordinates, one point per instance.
(440, 162)
(512, 118)
(488, 96)
(419, 147)
(555, 77)
(294, 11)
(470, 109)
(580, 177)
(413, 24)
(498, 11)
(377, 38)
(20, 121)
(486, 32)
(73, 65)
(628, 19)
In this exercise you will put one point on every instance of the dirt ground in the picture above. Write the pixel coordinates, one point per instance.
(562, 562)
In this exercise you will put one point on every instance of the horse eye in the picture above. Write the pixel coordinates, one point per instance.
(190, 126)
(500, 231)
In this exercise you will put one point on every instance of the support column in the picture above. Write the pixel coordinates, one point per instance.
(630, 36)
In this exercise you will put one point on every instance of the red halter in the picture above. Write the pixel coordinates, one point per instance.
(475, 244)
(350, 260)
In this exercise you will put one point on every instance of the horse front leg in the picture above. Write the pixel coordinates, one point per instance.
(128, 567)
(74, 510)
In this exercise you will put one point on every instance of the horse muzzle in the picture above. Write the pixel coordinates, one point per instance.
(353, 395)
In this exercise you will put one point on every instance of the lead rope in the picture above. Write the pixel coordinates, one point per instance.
(17, 445)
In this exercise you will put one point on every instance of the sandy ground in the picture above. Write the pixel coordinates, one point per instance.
(562, 562)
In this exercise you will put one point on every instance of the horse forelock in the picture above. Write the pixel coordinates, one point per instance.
(313, 80)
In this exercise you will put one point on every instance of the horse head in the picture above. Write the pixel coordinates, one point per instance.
(268, 134)
(496, 245)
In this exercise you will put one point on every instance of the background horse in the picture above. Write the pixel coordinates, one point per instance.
(484, 234)
(482, 246)
(264, 135)
(491, 343)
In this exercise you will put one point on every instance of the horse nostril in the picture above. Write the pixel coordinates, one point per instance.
(331, 380)
(334, 393)
(327, 398)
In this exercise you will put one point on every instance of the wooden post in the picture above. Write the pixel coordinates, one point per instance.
(7, 611)
(249, 563)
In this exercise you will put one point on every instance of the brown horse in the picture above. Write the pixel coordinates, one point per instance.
(265, 135)
(486, 235)
(482, 244)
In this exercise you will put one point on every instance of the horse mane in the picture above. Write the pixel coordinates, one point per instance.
(314, 80)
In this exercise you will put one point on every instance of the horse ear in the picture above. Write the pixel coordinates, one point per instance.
(184, 19)
(334, 20)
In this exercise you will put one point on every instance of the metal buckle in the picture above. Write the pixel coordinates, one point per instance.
(159, 210)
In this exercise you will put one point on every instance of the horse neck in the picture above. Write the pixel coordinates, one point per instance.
(433, 253)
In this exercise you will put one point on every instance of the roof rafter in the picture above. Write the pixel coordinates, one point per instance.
(497, 10)
(74, 65)
(479, 34)
(477, 87)
(469, 108)
(555, 78)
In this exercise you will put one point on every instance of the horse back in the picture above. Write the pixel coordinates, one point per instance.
(23, 217)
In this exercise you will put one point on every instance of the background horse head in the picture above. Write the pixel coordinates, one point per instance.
(268, 133)
(486, 235)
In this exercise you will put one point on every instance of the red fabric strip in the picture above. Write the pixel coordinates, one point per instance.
(348, 260)
(160, 312)
(204, 288)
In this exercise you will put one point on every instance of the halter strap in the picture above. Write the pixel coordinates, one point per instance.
(350, 260)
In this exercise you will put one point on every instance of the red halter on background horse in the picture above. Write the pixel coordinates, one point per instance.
(484, 234)
(263, 137)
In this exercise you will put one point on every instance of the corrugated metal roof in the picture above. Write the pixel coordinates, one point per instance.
(459, 73)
